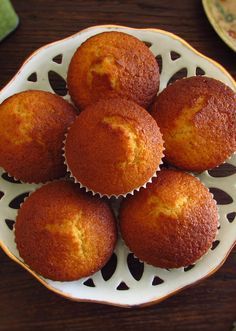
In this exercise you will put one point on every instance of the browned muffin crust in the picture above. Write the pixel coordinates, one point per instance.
(63, 233)
(112, 64)
(32, 128)
(197, 117)
(172, 223)
(113, 147)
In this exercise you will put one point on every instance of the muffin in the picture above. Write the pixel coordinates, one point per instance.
(113, 147)
(172, 223)
(112, 64)
(32, 128)
(197, 117)
(63, 233)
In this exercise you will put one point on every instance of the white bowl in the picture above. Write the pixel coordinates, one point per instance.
(154, 284)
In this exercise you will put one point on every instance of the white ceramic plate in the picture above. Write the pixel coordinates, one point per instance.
(125, 281)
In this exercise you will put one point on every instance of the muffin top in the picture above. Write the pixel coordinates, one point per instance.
(197, 117)
(172, 223)
(113, 147)
(63, 233)
(113, 64)
(32, 128)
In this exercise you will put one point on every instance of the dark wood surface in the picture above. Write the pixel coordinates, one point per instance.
(27, 305)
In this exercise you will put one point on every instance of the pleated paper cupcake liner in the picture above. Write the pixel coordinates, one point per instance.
(109, 196)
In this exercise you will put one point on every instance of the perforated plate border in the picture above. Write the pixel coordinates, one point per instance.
(155, 284)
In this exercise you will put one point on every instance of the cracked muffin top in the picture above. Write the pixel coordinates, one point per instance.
(171, 223)
(112, 64)
(197, 117)
(113, 147)
(32, 128)
(63, 233)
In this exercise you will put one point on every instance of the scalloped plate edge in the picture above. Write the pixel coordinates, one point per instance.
(146, 304)
(22, 264)
(110, 26)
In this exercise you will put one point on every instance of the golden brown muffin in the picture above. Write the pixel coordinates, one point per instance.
(32, 128)
(112, 64)
(63, 233)
(113, 147)
(172, 223)
(197, 117)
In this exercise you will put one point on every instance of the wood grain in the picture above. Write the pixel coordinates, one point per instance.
(27, 305)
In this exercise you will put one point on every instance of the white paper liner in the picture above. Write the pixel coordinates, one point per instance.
(87, 189)
(33, 183)
(19, 180)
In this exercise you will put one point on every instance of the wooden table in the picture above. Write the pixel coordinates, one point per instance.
(27, 305)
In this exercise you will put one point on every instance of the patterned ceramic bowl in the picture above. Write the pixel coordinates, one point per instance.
(124, 281)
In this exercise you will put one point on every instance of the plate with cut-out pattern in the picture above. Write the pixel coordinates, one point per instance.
(124, 281)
